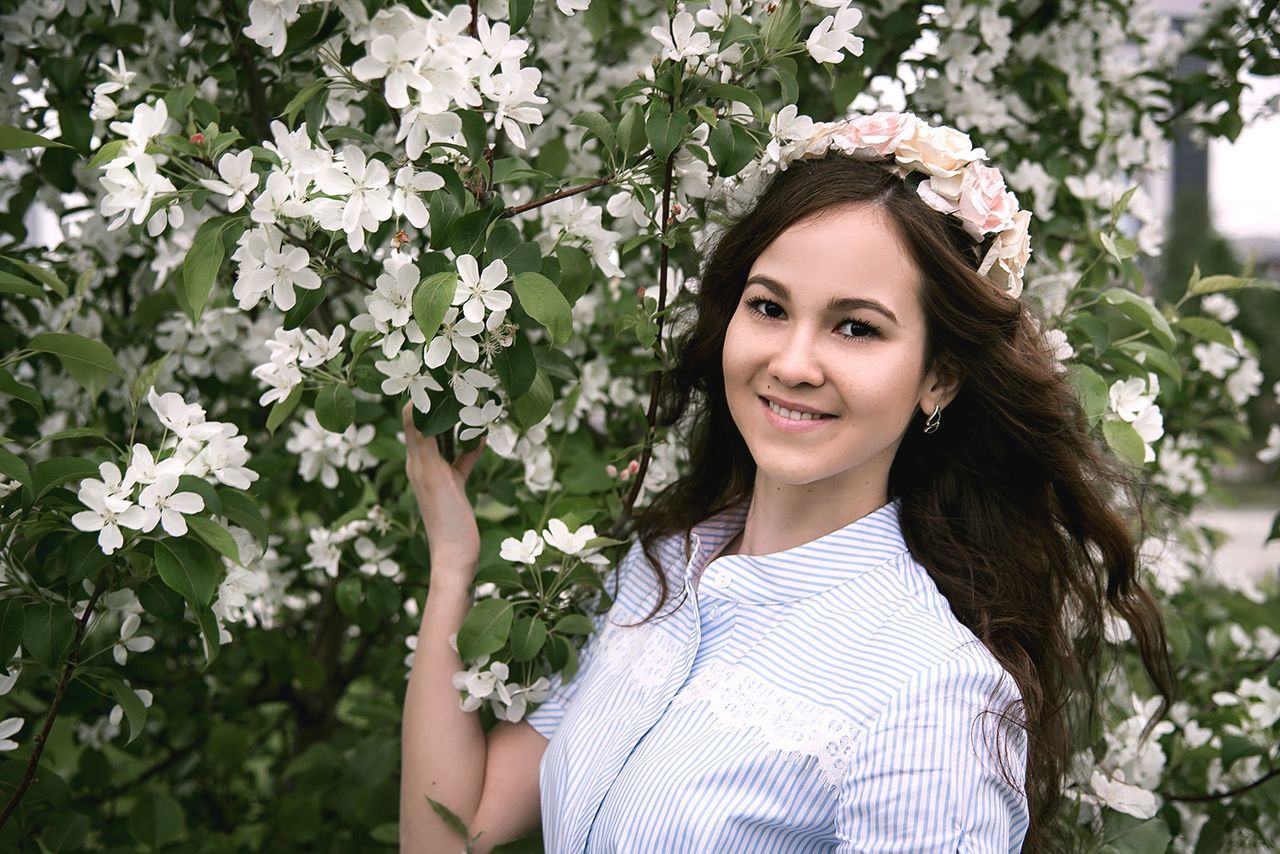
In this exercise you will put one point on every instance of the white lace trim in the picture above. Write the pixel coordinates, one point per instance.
(645, 654)
(782, 720)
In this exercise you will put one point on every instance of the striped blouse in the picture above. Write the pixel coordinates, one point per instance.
(821, 698)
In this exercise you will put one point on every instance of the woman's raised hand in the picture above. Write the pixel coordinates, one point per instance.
(440, 489)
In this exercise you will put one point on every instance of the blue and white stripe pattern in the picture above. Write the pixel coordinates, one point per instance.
(822, 698)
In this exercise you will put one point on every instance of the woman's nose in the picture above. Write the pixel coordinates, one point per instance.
(796, 359)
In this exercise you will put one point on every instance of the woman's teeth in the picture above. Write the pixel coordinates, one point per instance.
(794, 416)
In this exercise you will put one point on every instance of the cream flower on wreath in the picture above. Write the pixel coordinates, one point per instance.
(959, 184)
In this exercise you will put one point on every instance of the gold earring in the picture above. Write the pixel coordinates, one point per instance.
(934, 421)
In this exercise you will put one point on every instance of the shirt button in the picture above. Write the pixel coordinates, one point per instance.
(720, 577)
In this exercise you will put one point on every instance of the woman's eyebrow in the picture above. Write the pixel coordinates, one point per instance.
(835, 305)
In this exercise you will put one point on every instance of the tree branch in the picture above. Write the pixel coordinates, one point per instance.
(1229, 793)
(651, 416)
(72, 660)
(249, 65)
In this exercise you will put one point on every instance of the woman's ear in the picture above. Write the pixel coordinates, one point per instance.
(941, 385)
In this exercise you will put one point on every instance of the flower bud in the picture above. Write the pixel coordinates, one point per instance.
(197, 138)
(611, 470)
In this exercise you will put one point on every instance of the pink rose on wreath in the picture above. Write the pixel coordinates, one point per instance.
(985, 204)
(1008, 256)
(876, 135)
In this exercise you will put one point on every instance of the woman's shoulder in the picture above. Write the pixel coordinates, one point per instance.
(912, 636)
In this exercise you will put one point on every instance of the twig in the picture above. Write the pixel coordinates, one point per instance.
(651, 416)
(38, 750)
(555, 197)
(1229, 793)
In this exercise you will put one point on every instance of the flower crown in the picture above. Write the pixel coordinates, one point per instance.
(959, 183)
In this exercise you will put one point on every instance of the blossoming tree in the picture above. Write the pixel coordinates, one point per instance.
(237, 237)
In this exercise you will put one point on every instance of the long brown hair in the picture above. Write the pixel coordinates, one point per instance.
(1010, 507)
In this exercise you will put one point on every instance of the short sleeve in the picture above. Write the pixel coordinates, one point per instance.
(927, 775)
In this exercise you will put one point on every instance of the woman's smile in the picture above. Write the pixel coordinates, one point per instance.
(792, 422)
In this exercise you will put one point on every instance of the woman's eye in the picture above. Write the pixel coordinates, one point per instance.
(857, 329)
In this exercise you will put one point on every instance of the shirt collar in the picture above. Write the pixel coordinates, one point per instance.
(794, 573)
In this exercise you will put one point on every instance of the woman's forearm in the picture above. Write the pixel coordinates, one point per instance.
(443, 749)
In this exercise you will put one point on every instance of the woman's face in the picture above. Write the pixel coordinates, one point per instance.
(861, 363)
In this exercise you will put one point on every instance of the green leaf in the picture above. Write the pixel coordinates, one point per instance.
(454, 823)
(209, 633)
(528, 634)
(47, 631)
(1274, 533)
(486, 629)
(300, 100)
(1122, 204)
(335, 407)
(475, 130)
(147, 377)
(349, 594)
(732, 147)
(240, 509)
(516, 365)
(18, 391)
(88, 361)
(1143, 312)
(161, 601)
(729, 92)
(1125, 441)
(598, 126)
(518, 12)
(543, 301)
(575, 272)
(1118, 247)
(534, 404)
(11, 284)
(631, 131)
(13, 467)
(201, 266)
(134, 711)
(308, 300)
(12, 138)
(49, 474)
(12, 621)
(783, 26)
(215, 535)
(157, 820)
(1207, 329)
(1217, 284)
(736, 30)
(283, 408)
(431, 301)
(84, 558)
(1125, 834)
(71, 433)
(38, 273)
(574, 624)
(664, 130)
(109, 151)
(190, 568)
(1154, 357)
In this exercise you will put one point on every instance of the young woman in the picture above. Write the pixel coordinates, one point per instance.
(861, 620)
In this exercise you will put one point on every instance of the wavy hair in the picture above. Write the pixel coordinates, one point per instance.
(1013, 510)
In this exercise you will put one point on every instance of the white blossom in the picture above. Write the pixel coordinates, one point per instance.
(130, 640)
(238, 178)
(524, 550)
(478, 291)
(680, 42)
(363, 198)
(8, 728)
